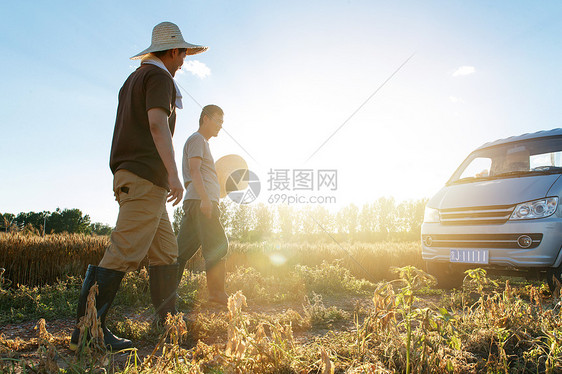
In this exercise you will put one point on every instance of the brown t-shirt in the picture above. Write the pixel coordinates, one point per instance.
(133, 148)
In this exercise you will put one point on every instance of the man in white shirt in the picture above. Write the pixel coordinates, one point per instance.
(201, 226)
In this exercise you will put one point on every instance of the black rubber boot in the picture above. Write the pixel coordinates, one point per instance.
(163, 286)
(215, 284)
(108, 284)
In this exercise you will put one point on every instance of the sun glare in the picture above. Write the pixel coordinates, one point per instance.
(277, 259)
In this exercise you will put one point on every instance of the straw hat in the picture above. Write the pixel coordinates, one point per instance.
(167, 35)
(232, 173)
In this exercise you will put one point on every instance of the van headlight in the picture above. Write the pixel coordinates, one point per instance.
(431, 215)
(535, 209)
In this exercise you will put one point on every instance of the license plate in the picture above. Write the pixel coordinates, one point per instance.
(469, 256)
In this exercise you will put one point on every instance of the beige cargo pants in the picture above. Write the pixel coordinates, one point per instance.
(143, 227)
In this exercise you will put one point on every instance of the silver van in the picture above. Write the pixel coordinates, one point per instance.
(499, 211)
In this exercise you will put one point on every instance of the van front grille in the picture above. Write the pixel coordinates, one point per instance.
(479, 240)
(487, 215)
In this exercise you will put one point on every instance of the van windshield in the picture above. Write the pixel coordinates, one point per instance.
(509, 160)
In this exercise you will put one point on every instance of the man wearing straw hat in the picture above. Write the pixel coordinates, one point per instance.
(145, 178)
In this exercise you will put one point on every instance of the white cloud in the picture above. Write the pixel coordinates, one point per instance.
(464, 70)
(196, 68)
(455, 99)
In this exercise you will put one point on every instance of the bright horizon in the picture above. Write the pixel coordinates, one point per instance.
(287, 76)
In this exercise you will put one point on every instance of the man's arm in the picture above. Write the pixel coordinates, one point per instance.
(197, 180)
(158, 121)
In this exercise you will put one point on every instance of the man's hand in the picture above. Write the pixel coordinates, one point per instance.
(206, 208)
(176, 190)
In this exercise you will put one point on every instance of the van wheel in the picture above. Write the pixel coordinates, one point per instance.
(447, 276)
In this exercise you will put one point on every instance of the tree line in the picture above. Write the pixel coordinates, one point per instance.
(45, 222)
(383, 219)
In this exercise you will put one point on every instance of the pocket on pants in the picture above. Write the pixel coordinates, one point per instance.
(123, 193)
(128, 186)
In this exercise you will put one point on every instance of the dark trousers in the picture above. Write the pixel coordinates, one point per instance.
(197, 230)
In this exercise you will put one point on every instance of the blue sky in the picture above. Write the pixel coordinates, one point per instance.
(287, 74)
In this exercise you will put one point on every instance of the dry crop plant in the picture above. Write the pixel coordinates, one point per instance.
(269, 348)
(500, 332)
(46, 353)
(90, 357)
(396, 335)
(401, 335)
(514, 335)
